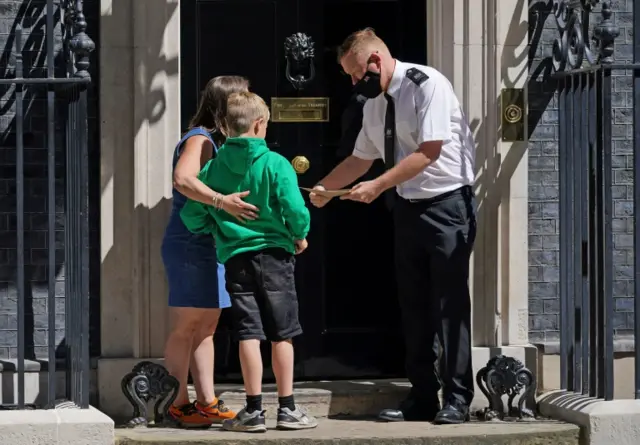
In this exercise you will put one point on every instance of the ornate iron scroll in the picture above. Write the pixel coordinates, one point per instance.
(606, 33)
(149, 381)
(299, 52)
(572, 49)
(506, 376)
(78, 45)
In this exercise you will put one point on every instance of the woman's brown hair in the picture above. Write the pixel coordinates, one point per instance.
(212, 108)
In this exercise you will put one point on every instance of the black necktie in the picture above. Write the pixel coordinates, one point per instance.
(389, 146)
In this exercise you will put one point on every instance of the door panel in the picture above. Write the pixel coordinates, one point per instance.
(345, 280)
(359, 333)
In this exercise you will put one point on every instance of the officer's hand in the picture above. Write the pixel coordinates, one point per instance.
(317, 200)
(365, 192)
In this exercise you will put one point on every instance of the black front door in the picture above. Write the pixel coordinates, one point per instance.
(346, 283)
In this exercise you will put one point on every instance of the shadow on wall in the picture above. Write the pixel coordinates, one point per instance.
(494, 171)
(120, 250)
(541, 87)
(148, 70)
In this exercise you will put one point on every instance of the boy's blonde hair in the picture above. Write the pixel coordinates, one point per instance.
(360, 41)
(243, 109)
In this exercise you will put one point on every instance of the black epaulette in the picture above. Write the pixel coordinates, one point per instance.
(360, 98)
(416, 76)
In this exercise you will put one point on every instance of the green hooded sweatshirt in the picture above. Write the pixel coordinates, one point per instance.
(248, 164)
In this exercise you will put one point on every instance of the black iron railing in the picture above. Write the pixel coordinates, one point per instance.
(636, 191)
(586, 204)
(70, 91)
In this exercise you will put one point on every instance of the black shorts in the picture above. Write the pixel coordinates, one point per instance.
(264, 303)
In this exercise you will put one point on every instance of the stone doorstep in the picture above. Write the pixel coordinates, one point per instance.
(366, 432)
(360, 398)
(323, 399)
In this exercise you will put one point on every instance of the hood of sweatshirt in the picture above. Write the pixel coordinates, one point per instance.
(238, 154)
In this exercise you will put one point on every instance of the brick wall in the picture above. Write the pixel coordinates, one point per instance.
(31, 15)
(543, 176)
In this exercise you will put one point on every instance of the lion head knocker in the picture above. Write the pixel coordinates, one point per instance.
(299, 53)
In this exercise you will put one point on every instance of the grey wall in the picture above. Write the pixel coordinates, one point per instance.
(31, 15)
(543, 176)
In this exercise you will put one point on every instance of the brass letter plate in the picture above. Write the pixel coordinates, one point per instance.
(299, 109)
(514, 115)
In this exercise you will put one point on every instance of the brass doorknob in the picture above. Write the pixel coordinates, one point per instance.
(300, 164)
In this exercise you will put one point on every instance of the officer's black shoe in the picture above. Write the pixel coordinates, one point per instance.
(411, 411)
(452, 413)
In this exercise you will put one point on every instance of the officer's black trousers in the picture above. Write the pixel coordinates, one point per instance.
(433, 243)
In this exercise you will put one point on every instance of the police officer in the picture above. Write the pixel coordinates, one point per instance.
(413, 120)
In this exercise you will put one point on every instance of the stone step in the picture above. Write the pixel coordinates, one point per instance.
(366, 432)
(361, 398)
(326, 398)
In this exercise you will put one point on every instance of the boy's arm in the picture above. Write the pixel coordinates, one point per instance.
(195, 215)
(295, 212)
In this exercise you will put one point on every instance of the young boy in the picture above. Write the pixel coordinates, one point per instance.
(258, 255)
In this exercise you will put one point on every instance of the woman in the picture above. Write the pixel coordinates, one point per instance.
(197, 293)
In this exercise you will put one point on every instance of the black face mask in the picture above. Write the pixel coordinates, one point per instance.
(369, 85)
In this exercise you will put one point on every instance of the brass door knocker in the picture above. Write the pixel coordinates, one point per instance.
(299, 53)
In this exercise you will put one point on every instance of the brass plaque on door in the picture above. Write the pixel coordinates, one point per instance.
(514, 114)
(299, 109)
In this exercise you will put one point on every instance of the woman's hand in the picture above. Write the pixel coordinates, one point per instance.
(235, 206)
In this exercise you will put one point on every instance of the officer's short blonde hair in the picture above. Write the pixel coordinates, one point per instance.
(243, 110)
(360, 41)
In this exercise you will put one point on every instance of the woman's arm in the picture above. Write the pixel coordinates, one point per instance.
(196, 152)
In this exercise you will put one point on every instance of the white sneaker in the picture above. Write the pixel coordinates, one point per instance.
(297, 419)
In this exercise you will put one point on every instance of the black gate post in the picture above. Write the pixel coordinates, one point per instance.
(77, 215)
(606, 33)
(20, 277)
(636, 192)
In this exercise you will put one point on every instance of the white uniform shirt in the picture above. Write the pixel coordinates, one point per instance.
(428, 112)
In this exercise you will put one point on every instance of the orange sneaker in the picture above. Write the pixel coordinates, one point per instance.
(217, 412)
(187, 416)
(197, 415)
